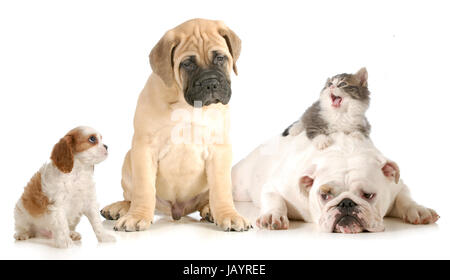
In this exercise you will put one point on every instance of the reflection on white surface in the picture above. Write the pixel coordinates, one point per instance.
(191, 238)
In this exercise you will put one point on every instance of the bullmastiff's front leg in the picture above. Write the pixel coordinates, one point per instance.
(143, 194)
(218, 171)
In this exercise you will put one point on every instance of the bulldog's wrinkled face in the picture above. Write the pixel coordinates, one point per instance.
(350, 197)
(206, 82)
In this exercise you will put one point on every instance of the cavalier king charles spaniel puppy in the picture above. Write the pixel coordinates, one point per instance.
(63, 190)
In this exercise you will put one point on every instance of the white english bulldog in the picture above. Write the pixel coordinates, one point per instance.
(348, 187)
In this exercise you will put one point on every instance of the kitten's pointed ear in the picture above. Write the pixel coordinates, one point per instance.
(362, 76)
(306, 181)
(62, 154)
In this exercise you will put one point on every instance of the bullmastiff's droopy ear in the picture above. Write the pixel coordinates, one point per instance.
(233, 43)
(161, 58)
(391, 171)
(306, 181)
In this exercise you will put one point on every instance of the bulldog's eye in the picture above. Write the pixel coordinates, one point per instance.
(325, 196)
(343, 84)
(93, 139)
(368, 196)
(188, 64)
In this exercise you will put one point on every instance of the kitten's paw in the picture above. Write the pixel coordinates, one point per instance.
(420, 215)
(272, 221)
(358, 135)
(321, 142)
(75, 236)
(105, 237)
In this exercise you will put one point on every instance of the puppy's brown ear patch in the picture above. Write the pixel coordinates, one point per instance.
(33, 199)
(62, 154)
(161, 58)
(234, 45)
(391, 171)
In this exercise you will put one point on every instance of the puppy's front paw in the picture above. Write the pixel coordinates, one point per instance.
(273, 221)
(115, 210)
(206, 214)
(105, 237)
(63, 243)
(22, 236)
(131, 222)
(232, 221)
(418, 215)
(75, 236)
(322, 141)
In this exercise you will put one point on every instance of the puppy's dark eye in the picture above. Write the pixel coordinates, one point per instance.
(188, 64)
(93, 139)
(343, 84)
(368, 196)
(219, 59)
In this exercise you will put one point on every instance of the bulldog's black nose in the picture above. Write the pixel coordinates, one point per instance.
(210, 85)
(347, 203)
(106, 147)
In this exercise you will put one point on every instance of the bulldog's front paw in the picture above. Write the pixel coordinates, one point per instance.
(418, 215)
(322, 141)
(206, 214)
(131, 222)
(105, 237)
(273, 222)
(232, 222)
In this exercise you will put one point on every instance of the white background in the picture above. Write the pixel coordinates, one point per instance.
(70, 63)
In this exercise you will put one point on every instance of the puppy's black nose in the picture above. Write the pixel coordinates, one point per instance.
(211, 84)
(106, 147)
(347, 203)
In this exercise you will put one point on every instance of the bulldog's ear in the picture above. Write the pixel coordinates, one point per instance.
(161, 58)
(362, 76)
(306, 181)
(62, 154)
(391, 171)
(233, 43)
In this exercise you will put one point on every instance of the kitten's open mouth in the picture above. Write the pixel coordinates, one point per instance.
(336, 101)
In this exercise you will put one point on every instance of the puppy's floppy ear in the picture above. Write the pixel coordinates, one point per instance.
(362, 76)
(306, 181)
(161, 57)
(62, 154)
(233, 43)
(391, 170)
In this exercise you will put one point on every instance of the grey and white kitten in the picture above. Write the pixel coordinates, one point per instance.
(341, 108)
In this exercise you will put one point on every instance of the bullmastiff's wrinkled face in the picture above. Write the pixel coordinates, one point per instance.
(197, 57)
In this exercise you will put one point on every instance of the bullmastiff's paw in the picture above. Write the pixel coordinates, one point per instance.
(206, 214)
(321, 142)
(131, 222)
(419, 215)
(75, 236)
(115, 210)
(273, 222)
(232, 222)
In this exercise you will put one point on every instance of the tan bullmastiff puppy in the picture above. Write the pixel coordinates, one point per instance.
(180, 159)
